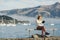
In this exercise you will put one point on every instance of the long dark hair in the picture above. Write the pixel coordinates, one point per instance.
(39, 17)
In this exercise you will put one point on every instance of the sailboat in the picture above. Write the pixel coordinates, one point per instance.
(9, 24)
(12, 24)
(2, 23)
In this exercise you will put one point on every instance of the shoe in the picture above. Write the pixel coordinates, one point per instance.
(46, 33)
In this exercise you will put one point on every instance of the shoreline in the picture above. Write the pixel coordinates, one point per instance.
(40, 38)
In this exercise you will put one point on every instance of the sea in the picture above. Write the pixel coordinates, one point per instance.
(52, 25)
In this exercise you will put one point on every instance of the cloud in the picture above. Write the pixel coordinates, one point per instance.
(14, 4)
(44, 0)
(48, 2)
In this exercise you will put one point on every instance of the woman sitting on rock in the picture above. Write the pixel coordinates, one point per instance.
(40, 25)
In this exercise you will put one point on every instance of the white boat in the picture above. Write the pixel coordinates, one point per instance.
(12, 24)
(9, 24)
(26, 23)
(2, 23)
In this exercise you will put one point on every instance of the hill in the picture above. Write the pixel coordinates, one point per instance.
(52, 11)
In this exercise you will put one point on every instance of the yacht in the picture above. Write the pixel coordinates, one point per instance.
(2, 23)
(9, 24)
(12, 24)
(26, 23)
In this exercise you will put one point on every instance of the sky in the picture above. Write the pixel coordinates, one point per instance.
(19, 4)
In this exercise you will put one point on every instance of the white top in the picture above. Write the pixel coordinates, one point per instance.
(39, 23)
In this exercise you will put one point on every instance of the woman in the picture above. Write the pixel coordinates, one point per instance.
(40, 25)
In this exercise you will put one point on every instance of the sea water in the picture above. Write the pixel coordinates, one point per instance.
(19, 31)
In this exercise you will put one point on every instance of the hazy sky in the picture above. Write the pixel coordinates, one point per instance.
(14, 4)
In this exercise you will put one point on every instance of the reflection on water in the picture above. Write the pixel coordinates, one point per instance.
(19, 31)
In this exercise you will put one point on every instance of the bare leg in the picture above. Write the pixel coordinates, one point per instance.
(43, 30)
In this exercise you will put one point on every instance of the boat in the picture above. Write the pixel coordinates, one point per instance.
(2, 23)
(12, 24)
(26, 23)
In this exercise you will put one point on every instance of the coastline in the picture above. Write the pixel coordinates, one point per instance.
(46, 38)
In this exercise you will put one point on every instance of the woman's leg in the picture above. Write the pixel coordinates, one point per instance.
(43, 30)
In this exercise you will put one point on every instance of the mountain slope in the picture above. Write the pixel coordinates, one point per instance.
(45, 10)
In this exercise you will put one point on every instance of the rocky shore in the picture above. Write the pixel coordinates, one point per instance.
(46, 38)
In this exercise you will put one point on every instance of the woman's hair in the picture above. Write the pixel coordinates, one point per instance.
(39, 17)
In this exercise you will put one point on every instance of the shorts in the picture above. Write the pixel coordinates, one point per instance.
(40, 27)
